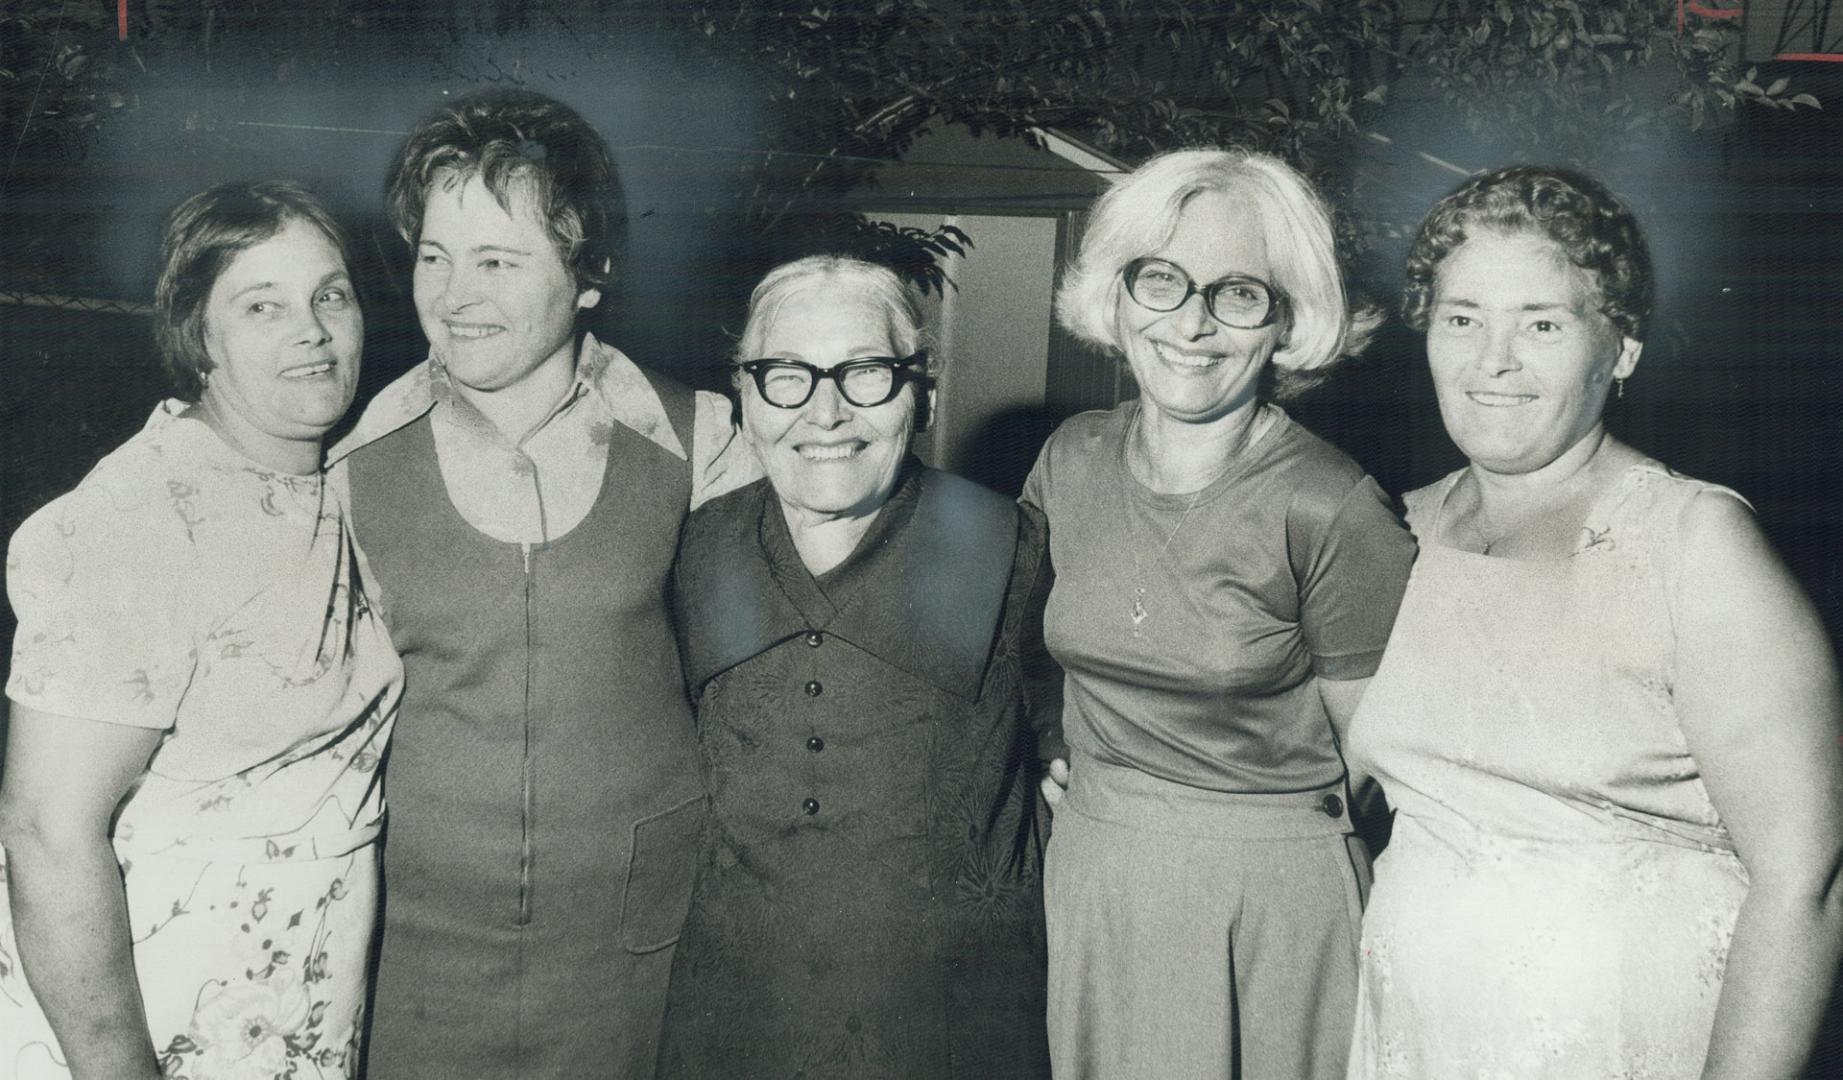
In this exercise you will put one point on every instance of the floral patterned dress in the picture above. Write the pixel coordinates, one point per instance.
(1558, 894)
(184, 588)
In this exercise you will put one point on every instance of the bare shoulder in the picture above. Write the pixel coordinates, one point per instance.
(1714, 513)
(1716, 527)
(1729, 582)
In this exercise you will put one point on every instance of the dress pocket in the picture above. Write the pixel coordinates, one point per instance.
(660, 874)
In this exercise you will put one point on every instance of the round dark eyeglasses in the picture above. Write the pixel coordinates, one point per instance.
(864, 382)
(1246, 303)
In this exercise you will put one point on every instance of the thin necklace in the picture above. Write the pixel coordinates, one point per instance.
(1139, 611)
(1485, 540)
(1498, 534)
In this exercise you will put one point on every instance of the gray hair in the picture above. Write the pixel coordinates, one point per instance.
(897, 301)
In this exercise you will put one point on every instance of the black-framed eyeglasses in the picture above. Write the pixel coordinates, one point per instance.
(1240, 301)
(864, 382)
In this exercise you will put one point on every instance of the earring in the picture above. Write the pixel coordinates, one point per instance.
(1621, 392)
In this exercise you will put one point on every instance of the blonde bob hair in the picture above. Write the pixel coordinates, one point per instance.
(1139, 216)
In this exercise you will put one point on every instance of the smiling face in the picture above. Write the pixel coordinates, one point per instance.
(495, 299)
(1188, 365)
(1521, 354)
(283, 332)
(828, 458)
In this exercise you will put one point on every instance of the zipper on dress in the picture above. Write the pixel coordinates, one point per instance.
(525, 769)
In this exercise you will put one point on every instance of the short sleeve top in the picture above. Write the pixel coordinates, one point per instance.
(185, 588)
(1191, 626)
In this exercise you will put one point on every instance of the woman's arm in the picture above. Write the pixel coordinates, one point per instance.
(1341, 698)
(1350, 588)
(64, 778)
(1042, 675)
(1369, 809)
(1041, 670)
(1757, 697)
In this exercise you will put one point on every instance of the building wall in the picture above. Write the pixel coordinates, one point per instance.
(992, 334)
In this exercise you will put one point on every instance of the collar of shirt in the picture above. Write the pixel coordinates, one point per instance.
(537, 489)
(603, 372)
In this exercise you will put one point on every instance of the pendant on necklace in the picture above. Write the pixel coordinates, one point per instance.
(1139, 611)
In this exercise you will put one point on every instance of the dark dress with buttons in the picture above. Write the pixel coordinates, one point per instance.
(868, 903)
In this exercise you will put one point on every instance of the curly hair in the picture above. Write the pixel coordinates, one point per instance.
(1591, 226)
(202, 236)
(509, 136)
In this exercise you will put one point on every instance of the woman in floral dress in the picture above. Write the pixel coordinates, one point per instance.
(201, 691)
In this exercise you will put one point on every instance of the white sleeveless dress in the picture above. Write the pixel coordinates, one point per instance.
(1558, 895)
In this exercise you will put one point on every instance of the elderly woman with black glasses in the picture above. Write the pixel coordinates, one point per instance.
(856, 632)
(1225, 583)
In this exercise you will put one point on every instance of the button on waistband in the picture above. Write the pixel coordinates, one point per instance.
(1333, 806)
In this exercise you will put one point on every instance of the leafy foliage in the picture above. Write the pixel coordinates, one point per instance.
(1135, 76)
(57, 76)
(1562, 80)
(862, 77)
(843, 85)
(915, 254)
(1572, 78)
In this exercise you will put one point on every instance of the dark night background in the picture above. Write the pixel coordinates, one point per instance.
(1740, 383)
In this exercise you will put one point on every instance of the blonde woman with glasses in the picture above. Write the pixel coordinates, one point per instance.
(1225, 583)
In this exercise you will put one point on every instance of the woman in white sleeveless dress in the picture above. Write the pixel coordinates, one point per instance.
(1607, 717)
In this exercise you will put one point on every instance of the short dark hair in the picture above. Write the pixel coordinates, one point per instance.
(1577, 212)
(201, 238)
(507, 136)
